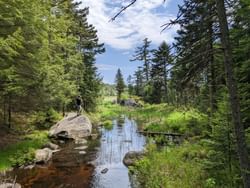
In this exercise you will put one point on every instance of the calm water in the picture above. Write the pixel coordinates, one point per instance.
(114, 145)
(69, 169)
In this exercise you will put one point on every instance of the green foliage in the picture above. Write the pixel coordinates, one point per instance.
(47, 57)
(221, 147)
(22, 157)
(120, 85)
(109, 111)
(170, 167)
(22, 152)
(44, 120)
(108, 124)
(167, 118)
(108, 90)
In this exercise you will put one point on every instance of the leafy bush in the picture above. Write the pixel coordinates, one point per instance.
(44, 120)
(22, 157)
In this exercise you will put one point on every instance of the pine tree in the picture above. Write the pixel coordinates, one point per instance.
(232, 89)
(139, 82)
(130, 85)
(142, 53)
(120, 85)
(161, 62)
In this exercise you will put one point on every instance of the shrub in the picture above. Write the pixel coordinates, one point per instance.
(44, 120)
(169, 168)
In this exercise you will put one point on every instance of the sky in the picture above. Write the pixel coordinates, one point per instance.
(121, 36)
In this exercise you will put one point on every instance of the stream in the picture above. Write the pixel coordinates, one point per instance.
(100, 167)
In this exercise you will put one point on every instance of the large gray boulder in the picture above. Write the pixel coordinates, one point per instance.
(130, 102)
(72, 127)
(43, 155)
(132, 156)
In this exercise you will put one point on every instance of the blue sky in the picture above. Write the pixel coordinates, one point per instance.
(123, 35)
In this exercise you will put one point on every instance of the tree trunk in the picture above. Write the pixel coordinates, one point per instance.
(211, 73)
(165, 83)
(4, 111)
(63, 109)
(232, 88)
(9, 111)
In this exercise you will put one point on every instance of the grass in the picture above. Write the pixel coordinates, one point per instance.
(157, 117)
(106, 111)
(171, 167)
(108, 124)
(22, 152)
(174, 166)
(167, 118)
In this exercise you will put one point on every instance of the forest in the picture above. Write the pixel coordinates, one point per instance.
(198, 86)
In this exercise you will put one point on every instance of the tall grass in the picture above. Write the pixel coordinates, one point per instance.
(171, 167)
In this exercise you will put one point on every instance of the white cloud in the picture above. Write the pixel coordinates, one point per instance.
(131, 27)
(106, 67)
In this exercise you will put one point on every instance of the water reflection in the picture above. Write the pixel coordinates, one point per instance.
(115, 144)
(69, 169)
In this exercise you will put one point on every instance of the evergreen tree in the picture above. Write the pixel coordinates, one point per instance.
(47, 56)
(130, 85)
(161, 62)
(139, 82)
(142, 53)
(120, 85)
(232, 89)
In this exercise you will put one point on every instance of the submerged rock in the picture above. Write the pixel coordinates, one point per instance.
(72, 127)
(82, 152)
(10, 185)
(80, 141)
(131, 157)
(81, 147)
(104, 171)
(43, 155)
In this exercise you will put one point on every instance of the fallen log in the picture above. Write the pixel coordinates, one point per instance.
(160, 133)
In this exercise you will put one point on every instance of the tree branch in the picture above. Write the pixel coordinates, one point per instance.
(123, 9)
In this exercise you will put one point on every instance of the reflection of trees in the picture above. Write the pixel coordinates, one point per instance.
(120, 120)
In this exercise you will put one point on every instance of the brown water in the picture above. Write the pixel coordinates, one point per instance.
(70, 169)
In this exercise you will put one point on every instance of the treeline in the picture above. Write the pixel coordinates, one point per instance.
(207, 67)
(47, 57)
(108, 90)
